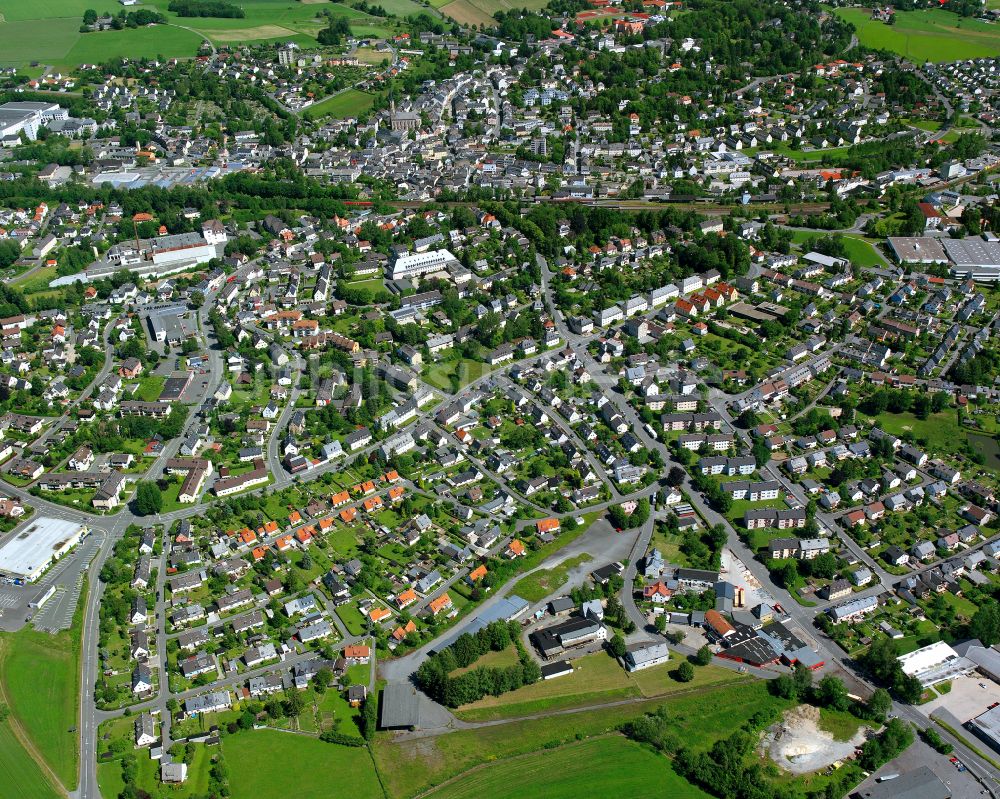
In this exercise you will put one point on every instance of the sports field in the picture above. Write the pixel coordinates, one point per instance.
(48, 31)
(926, 35)
(619, 766)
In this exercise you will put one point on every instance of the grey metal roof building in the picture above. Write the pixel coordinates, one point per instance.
(400, 706)
(921, 783)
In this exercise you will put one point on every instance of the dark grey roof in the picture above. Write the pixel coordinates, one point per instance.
(400, 706)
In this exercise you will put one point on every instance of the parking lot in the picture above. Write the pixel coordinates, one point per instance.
(968, 697)
(961, 783)
(57, 612)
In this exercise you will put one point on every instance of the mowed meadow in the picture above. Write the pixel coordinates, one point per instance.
(927, 35)
(48, 31)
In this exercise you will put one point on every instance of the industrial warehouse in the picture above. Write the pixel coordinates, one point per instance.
(40, 543)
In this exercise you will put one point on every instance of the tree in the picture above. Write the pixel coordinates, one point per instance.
(148, 499)
(985, 623)
(675, 477)
(703, 656)
(369, 718)
(616, 646)
(832, 693)
(878, 705)
(685, 672)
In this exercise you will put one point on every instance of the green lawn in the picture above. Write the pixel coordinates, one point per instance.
(538, 585)
(352, 618)
(596, 678)
(926, 35)
(939, 432)
(265, 764)
(21, 776)
(40, 675)
(150, 387)
(464, 370)
(351, 103)
(613, 765)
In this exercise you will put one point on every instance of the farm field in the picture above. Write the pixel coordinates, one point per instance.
(259, 761)
(480, 12)
(48, 31)
(40, 674)
(700, 718)
(619, 766)
(926, 35)
(350, 103)
(20, 774)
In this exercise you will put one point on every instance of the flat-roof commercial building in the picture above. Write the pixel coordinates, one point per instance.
(921, 783)
(27, 118)
(37, 545)
(171, 324)
(917, 250)
(974, 257)
(986, 727)
(935, 663)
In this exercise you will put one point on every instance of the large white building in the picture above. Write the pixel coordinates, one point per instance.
(422, 263)
(27, 118)
(935, 663)
(37, 545)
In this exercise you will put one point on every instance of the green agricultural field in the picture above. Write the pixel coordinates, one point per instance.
(40, 674)
(619, 766)
(700, 718)
(480, 12)
(48, 31)
(350, 103)
(926, 35)
(20, 774)
(260, 767)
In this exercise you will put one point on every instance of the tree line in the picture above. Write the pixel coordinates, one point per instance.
(434, 675)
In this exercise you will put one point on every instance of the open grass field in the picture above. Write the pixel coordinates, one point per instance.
(262, 766)
(619, 766)
(926, 35)
(596, 678)
(48, 31)
(40, 674)
(536, 586)
(699, 718)
(19, 774)
(350, 103)
(860, 251)
(939, 432)
(466, 370)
